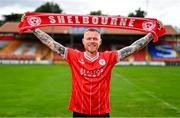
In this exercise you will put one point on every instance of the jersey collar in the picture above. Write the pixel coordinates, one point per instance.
(91, 58)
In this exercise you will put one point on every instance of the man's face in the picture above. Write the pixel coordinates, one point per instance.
(91, 41)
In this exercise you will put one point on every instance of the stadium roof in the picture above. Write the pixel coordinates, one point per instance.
(11, 27)
(170, 30)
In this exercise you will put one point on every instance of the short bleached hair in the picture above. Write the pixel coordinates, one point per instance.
(92, 29)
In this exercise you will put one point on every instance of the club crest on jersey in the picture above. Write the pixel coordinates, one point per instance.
(102, 62)
(34, 21)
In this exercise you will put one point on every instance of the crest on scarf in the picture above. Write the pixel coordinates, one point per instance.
(34, 20)
(148, 25)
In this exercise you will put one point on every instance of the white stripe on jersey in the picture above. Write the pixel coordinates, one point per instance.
(82, 96)
(90, 95)
(105, 97)
(99, 99)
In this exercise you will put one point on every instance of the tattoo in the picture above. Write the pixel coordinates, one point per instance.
(136, 46)
(125, 52)
(141, 43)
(59, 48)
(47, 40)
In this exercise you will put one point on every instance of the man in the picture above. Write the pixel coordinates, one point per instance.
(91, 71)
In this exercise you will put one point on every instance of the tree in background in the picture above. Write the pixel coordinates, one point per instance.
(99, 12)
(138, 13)
(12, 17)
(1, 22)
(54, 8)
(49, 7)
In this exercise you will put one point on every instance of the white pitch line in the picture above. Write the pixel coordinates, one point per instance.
(149, 93)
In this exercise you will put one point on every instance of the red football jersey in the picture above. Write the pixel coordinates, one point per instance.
(90, 81)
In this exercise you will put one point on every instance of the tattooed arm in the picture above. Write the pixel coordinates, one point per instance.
(47, 40)
(136, 46)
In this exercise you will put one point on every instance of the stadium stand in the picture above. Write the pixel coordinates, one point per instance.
(163, 52)
(21, 50)
(56, 57)
(26, 47)
(3, 44)
(7, 51)
(140, 56)
(43, 53)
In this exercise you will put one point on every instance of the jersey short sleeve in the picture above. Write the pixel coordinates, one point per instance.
(71, 55)
(111, 56)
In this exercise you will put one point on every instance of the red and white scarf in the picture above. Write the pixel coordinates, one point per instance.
(35, 19)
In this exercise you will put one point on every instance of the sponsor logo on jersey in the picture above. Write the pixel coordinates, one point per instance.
(91, 73)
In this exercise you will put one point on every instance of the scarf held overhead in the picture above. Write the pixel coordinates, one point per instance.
(34, 20)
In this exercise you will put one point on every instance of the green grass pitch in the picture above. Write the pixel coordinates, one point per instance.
(44, 91)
